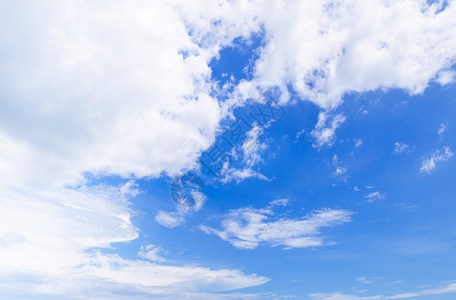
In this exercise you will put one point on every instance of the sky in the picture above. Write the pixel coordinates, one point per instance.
(228, 149)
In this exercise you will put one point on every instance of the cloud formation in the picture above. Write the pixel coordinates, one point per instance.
(247, 227)
(429, 164)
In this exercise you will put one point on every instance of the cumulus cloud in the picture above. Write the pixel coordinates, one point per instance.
(124, 89)
(92, 90)
(323, 53)
(429, 164)
(247, 228)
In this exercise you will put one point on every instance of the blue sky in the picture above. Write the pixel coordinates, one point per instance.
(346, 193)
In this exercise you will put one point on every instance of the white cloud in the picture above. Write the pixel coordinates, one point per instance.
(301, 132)
(247, 228)
(169, 219)
(445, 77)
(449, 288)
(325, 129)
(279, 202)
(152, 253)
(358, 142)
(443, 127)
(339, 296)
(105, 88)
(252, 149)
(323, 53)
(340, 171)
(429, 164)
(183, 209)
(400, 147)
(47, 236)
(366, 280)
(115, 88)
(371, 197)
(239, 175)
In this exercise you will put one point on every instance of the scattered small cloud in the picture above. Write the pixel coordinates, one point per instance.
(324, 131)
(443, 127)
(169, 219)
(358, 142)
(152, 253)
(301, 132)
(374, 196)
(339, 296)
(405, 205)
(445, 77)
(363, 280)
(445, 289)
(366, 280)
(449, 288)
(247, 228)
(340, 170)
(400, 148)
(356, 189)
(429, 164)
(252, 150)
(177, 218)
(279, 202)
(239, 175)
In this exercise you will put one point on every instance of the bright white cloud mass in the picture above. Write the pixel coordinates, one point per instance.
(110, 88)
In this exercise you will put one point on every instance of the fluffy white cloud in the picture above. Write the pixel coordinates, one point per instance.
(247, 228)
(105, 88)
(327, 49)
(115, 88)
(101, 88)
(429, 164)
(445, 77)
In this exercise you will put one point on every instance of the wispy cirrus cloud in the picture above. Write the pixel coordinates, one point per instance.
(439, 155)
(374, 196)
(248, 228)
(449, 288)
